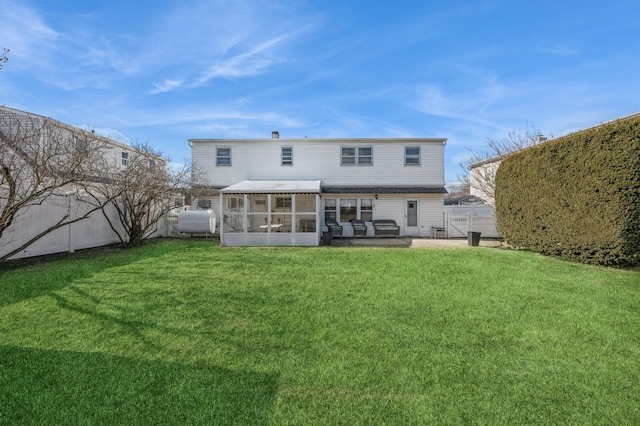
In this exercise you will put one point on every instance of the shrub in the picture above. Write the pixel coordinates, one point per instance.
(576, 197)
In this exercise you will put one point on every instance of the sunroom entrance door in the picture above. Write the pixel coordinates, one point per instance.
(412, 228)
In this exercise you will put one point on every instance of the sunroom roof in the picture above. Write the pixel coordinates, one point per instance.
(273, 186)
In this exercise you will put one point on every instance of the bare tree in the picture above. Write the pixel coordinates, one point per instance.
(479, 171)
(4, 58)
(457, 190)
(43, 160)
(142, 192)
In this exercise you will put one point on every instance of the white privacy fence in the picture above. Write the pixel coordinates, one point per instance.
(91, 232)
(458, 220)
(94, 231)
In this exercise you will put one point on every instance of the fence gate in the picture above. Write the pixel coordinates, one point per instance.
(477, 218)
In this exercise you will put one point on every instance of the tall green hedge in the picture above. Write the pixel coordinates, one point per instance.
(576, 197)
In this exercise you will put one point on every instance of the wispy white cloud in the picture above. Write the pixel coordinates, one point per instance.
(250, 62)
(166, 86)
(213, 39)
(25, 32)
(472, 103)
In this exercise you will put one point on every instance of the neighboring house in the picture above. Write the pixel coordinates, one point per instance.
(463, 200)
(482, 178)
(70, 201)
(279, 191)
(483, 173)
(117, 155)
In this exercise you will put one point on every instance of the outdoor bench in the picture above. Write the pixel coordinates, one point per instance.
(359, 228)
(386, 227)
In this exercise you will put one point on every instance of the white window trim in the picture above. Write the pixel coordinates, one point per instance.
(289, 161)
(124, 159)
(358, 207)
(356, 156)
(218, 148)
(368, 156)
(418, 156)
(342, 156)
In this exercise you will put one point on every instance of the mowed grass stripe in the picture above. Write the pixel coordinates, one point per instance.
(193, 332)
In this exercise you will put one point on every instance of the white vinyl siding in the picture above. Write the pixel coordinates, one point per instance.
(430, 211)
(321, 159)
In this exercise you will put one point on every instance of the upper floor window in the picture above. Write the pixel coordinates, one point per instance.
(365, 155)
(223, 156)
(361, 155)
(125, 158)
(412, 155)
(287, 156)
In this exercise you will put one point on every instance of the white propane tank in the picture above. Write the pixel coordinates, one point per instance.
(197, 221)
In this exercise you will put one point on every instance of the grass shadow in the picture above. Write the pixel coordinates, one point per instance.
(56, 387)
(24, 278)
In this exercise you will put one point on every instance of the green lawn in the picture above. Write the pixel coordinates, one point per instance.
(186, 332)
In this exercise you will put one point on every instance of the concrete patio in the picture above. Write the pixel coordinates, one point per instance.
(408, 242)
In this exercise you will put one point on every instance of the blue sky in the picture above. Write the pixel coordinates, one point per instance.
(165, 71)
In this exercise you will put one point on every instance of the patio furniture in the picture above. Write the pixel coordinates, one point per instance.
(334, 227)
(359, 228)
(386, 227)
(438, 232)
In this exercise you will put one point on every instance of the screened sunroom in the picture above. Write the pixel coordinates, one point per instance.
(270, 213)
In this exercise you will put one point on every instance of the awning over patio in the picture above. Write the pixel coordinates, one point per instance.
(384, 190)
(274, 187)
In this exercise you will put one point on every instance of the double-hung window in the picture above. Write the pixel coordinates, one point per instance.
(287, 156)
(223, 156)
(348, 156)
(346, 209)
(330, 209)
(366, 209)
(365, 156)
(125, 159)
(411, 155)
(352, 156)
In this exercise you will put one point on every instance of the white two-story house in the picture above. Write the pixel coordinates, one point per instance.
(277, 191)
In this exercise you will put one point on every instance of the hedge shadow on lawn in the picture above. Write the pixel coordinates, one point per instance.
(55, 387)
(73, 266)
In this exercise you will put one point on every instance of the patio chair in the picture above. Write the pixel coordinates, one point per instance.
(334, 227)
(359, 228)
